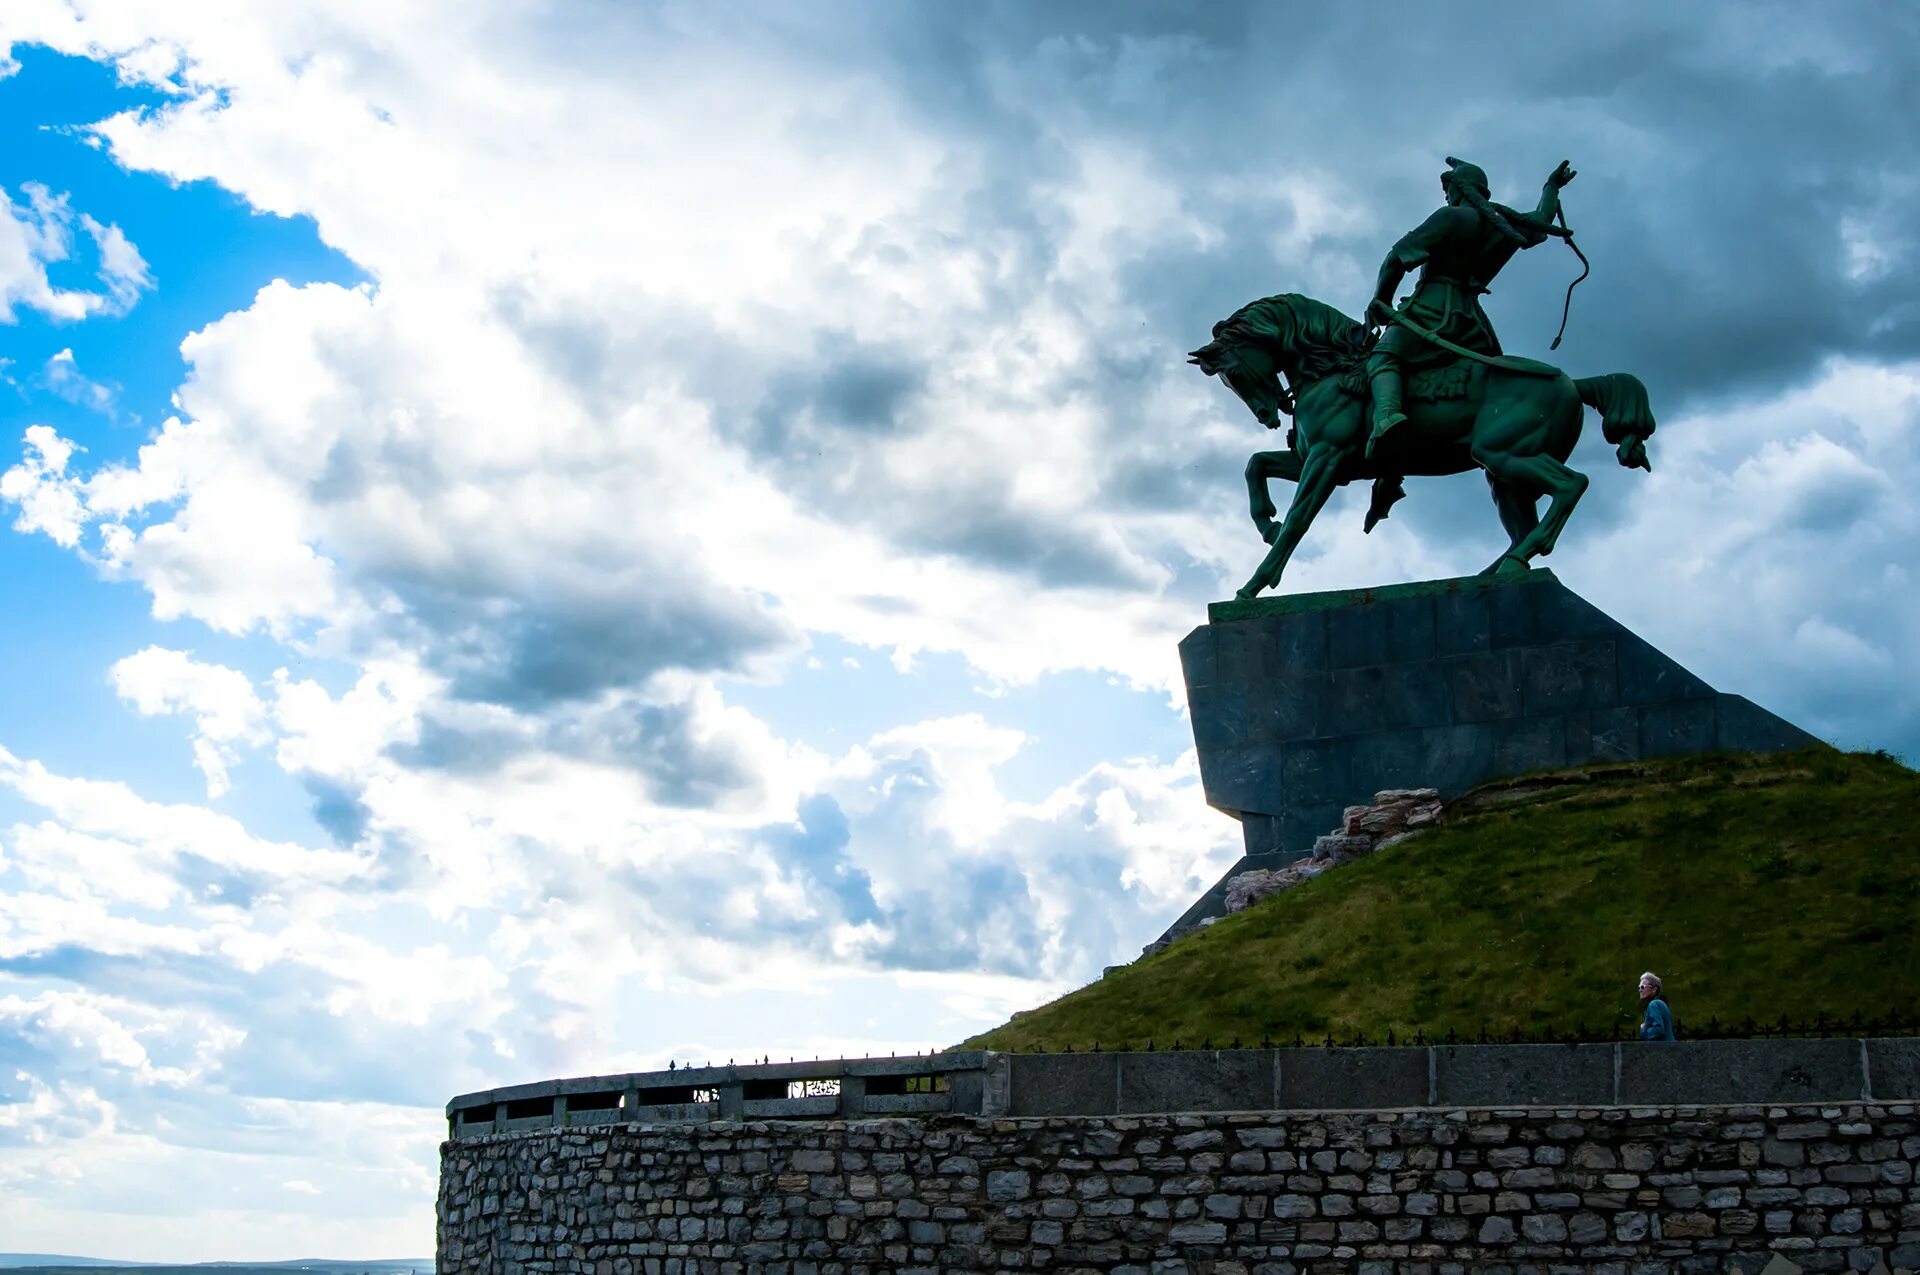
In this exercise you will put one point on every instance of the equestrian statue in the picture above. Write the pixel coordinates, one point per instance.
(1424, 388)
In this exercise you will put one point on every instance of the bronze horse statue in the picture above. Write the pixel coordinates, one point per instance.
(1514, 418)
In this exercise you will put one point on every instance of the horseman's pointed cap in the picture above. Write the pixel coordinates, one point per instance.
(1470, 174)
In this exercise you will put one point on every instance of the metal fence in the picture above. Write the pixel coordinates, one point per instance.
(1819, 1027)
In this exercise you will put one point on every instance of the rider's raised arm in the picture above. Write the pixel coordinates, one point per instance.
(1549, 208)
(1549, 205)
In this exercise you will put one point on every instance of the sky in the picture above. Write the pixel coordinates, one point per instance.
(542, 539)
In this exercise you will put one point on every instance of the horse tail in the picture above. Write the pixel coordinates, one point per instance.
(1621, 400)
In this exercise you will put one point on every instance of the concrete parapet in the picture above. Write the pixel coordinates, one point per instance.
(1524, 1075)
(1893, 1066)
(1628, 1074)
(1333, 1079)
(1755, 1070)
(1197, 1080)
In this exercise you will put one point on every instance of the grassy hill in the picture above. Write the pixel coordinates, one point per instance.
(1756, 886)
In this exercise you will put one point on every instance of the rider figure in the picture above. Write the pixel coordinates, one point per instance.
(1461, 248)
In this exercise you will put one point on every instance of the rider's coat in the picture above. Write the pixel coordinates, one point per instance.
(1460, 252)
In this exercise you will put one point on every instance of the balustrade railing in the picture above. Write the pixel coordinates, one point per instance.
(841, 1088)
(1777, 1069)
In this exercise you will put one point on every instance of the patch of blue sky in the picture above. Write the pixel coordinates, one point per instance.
(846, 693)
(846, 1013)
(209, 253)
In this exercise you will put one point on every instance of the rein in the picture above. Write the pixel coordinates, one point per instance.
(1525, 367)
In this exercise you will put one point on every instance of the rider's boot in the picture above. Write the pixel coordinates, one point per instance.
(1385, 381)
(1386, 490)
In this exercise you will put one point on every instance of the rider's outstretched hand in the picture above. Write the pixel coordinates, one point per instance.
(1561, 175)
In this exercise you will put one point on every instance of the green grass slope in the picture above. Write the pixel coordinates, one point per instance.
(1756, 886)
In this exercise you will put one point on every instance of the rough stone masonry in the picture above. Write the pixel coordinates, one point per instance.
(1641, 1190)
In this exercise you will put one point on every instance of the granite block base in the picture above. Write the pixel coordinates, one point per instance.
(1305, 704)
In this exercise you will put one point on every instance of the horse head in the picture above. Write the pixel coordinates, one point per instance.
(1289, 333)
(1248, 350)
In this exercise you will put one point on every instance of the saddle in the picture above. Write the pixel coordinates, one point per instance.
(1448, 380)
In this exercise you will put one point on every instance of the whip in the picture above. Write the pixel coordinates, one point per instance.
(1586, 268)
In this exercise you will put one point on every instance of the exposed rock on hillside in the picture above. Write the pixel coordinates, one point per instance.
(1390, 818)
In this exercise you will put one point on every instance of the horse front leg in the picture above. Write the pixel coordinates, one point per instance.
(1319, 475)
(1261, 467)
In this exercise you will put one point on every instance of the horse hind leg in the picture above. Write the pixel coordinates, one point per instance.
(1562, 485)
(1518, 514)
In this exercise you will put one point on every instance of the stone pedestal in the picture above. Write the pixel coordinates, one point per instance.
(1303, 705)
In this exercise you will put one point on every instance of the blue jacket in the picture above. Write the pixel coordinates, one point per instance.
(1658, 1024)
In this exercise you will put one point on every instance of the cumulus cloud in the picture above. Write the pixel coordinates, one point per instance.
(39, 233)
(226, 712)
(1785, 512)
(49, 500)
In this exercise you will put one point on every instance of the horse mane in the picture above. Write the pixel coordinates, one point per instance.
(1323, 341)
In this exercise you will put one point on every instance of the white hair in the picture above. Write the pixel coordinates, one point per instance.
(1651, 975)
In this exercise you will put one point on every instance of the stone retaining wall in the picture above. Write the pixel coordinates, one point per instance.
(1640, 1189)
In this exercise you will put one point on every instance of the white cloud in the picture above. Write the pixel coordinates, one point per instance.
(1781, 519)
(63, 376)
(39, 234)
(50, 502)
(221, 701)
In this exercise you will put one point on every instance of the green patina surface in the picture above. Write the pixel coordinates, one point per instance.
(1299, 603)
(1356, 418)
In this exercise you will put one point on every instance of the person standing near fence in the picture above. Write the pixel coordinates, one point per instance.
(1658, 1023)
